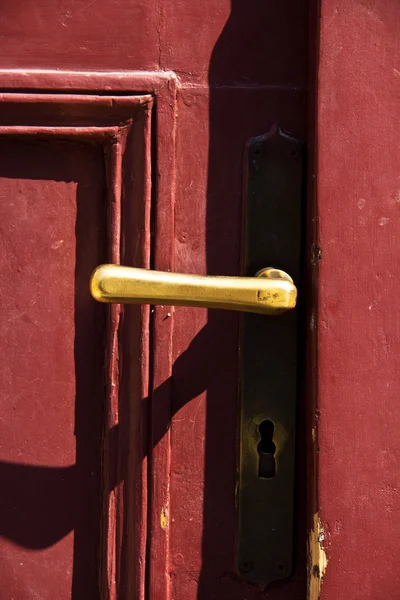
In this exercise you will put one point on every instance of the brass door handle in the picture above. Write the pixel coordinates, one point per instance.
(271, 291)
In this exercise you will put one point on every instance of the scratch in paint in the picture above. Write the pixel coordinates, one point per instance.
(86, 6)
(164, 518)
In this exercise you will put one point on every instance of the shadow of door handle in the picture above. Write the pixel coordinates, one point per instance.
(271, 291)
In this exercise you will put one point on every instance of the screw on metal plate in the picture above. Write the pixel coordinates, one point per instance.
(246, 566)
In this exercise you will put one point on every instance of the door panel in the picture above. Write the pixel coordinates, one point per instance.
(73, 168)
(52, 366)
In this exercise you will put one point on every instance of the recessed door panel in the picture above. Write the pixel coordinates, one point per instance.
(53, 231)
(75, 185)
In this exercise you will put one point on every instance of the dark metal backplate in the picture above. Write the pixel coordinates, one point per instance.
(273, 219)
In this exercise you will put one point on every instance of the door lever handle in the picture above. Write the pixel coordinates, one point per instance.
(271, 291)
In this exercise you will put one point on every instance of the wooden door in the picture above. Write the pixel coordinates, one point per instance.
(122, 131)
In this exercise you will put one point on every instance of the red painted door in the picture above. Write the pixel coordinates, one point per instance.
(122, 133)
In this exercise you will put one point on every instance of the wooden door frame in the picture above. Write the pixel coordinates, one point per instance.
(354, 334)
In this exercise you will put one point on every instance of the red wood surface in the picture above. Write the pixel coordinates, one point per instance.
(359, 323)
(247, 93)
(205, 372)
(51, 367)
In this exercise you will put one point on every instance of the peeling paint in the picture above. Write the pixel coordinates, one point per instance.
(318, 559)
(316, 254)
(164, 518)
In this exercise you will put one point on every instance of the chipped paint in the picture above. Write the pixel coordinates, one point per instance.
(164, 518)
(316, 254)
(314, 434)
(318, 559)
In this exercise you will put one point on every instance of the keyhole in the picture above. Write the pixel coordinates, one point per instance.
(266, 450)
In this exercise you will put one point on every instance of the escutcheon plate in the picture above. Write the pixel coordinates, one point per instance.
(274, 192)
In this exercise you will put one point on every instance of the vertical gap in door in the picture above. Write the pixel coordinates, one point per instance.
(312, 256)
